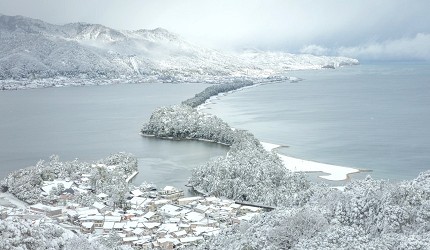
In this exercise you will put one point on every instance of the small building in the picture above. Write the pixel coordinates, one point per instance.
(87, 227)
(187, 200)
(129, 240)
(108, 226)
(171, 193)
(168, 243)
(100, 206)
(187, 241)
(118, 226)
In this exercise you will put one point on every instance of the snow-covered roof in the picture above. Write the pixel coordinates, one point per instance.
(194, 216)
(119, 225)
(87, 212)
(189, 199)
(190, 239)
(168, 227)
(151, 225)
(49, 185)
(88, 225)
(131, 224)
(212, 199)
(113, 218)
(137, 192)
(129, 239)
(138, 231)
(95, 217)
(179, 233)
(108, 224)
(148, 215)
(201, 208)
(162, 201)
(137, 200)
(102, 195)
(170, 188)
(170, 209)
(199, 230)
(99, 205)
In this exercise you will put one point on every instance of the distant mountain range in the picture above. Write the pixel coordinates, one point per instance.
(35, 51)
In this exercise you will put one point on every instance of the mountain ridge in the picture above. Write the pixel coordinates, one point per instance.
(34, 51)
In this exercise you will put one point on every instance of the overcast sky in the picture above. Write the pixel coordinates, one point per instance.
(367, 29)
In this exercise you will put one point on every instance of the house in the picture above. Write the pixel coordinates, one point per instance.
(167, 243)
(151, 225)
(187, 200)
(179, 234)
(98, 220)
(129, 240)
(118, 226)
(171, 193)
(87, 227)
(201, 208)
(100, 206)
(170, 210)
(112, 218)
(194, 216)
(168, 227)
(185, 227)
(137, 193)
(186, 241)
(86, 211)
(108, 226)
(138, 231)
(152, 216)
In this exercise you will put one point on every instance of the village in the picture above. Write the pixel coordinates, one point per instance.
(151, 219)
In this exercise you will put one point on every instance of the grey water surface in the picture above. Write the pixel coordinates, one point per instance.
(371, 116)
(89, 123)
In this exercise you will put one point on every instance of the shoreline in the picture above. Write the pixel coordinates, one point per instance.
(334, 172)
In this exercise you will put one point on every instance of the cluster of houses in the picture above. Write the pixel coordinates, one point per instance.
(163, 219)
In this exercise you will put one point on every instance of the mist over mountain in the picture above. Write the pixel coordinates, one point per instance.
(32, 50)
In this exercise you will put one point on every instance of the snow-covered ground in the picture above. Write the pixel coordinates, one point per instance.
(13, 200)
(335, 173)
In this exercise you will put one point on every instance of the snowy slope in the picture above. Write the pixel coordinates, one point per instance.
(33, 51)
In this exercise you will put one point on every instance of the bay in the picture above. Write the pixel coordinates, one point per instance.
(89, 123)
(371, 116)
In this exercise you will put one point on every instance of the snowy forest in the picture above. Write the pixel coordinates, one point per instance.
(17, 233)
(26, 183)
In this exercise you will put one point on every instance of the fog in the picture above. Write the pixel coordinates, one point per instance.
(367, 29)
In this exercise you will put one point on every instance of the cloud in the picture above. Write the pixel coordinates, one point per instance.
(409, 48)
(325, 26)
(314, 50)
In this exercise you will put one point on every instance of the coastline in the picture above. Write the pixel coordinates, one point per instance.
(335, 173)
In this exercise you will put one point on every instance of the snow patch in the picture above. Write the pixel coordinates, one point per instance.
(335, 173)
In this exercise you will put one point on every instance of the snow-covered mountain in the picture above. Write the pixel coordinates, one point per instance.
(35, 51)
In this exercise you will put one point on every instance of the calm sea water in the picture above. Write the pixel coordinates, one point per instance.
(372, 116)
(90, 123)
